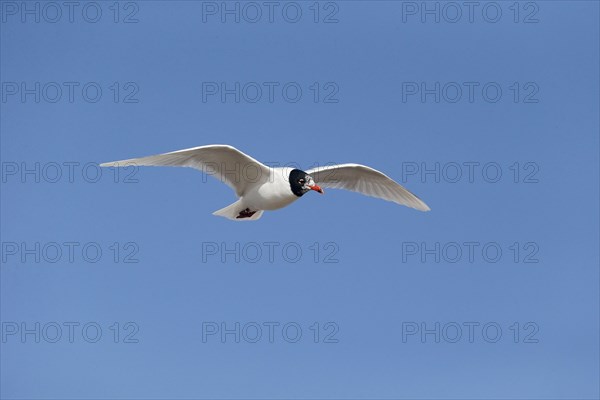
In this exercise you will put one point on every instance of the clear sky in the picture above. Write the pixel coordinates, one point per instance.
(125, 286)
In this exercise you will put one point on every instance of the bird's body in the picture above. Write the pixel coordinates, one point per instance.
(260, 188)
(273, 194)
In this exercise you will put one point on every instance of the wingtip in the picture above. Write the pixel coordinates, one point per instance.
(124, 163)
(420, 206)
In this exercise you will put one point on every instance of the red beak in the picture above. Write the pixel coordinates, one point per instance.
(316, 189)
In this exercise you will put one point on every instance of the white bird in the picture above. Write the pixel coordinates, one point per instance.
(261, 188)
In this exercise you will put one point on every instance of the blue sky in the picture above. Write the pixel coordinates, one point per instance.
(382, 275)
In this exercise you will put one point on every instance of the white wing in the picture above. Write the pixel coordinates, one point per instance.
(365, 180)
(224, 162)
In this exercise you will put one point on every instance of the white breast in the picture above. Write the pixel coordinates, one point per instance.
(271, 195)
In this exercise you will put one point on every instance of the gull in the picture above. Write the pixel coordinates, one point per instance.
(260, 188)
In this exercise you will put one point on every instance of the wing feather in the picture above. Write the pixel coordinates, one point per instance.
(367, 181)
(226, 163)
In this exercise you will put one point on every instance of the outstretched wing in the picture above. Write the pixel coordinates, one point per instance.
(365, 180)
(224, 162)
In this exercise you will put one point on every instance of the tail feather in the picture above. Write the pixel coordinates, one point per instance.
(232, 212)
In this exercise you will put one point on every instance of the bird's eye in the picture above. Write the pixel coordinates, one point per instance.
(301, 181)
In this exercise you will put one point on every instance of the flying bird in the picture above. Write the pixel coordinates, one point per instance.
(259, 187)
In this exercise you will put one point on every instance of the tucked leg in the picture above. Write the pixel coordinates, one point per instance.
(246, 213)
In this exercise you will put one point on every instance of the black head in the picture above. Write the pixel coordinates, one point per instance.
(301, 182)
